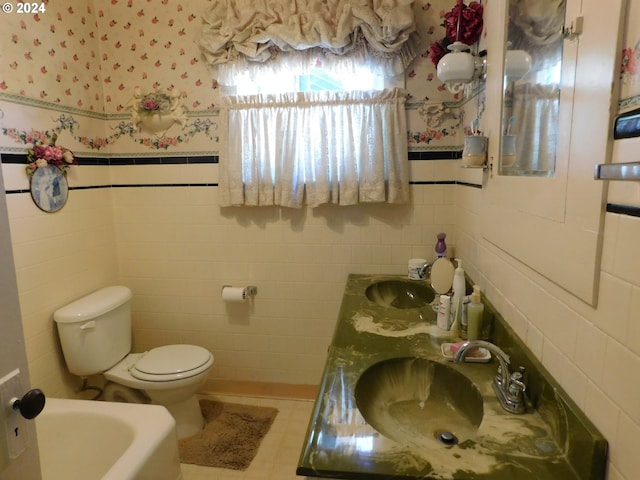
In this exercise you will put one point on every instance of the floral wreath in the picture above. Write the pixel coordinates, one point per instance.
(469, 17)
(155, 102)
(43, 154)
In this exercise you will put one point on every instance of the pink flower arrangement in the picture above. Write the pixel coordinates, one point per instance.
(471, 23)
(44, 154)
(155, 102)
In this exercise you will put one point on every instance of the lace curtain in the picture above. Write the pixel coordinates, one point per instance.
(537, 109)
(315, 147)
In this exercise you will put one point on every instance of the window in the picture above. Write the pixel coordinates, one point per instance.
(312, 113)
(315, 79)
(321, 134)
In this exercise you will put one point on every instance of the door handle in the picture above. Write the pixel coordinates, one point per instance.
(30, 405)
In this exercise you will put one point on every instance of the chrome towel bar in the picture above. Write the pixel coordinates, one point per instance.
(617, 171)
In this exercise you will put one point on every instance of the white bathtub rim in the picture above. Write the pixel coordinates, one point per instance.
(151, 424)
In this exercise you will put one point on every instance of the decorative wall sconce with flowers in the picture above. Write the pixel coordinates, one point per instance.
(156, 112)
(458, 67)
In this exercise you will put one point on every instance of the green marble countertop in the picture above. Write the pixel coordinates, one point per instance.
(552, 441)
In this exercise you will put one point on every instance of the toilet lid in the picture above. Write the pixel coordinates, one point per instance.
(177, 361)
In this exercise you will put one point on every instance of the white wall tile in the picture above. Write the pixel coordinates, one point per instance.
(625, 456)
(590, 351)
(619, 366)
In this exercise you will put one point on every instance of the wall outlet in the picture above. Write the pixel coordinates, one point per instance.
(12, 423)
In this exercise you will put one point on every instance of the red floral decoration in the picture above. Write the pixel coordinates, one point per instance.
(469, 17)
(43, 154)
(438, 49)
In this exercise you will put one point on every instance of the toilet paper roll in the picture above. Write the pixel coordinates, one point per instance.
(233, 294)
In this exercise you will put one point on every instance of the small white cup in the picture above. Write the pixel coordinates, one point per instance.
(416, 269)
(508, 150)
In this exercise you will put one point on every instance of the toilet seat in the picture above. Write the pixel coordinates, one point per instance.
(171, 362)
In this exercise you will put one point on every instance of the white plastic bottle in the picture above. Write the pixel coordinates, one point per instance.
(459, 287)
(475, 312)
(443, 319)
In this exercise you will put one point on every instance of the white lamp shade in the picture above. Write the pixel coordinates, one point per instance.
(517, 64)
(456, 67)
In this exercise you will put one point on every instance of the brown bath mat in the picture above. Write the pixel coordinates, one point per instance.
(231, 436)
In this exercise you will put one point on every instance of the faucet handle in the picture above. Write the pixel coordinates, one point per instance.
(516, 388)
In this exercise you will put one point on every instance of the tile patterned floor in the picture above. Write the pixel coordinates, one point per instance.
(278, 455)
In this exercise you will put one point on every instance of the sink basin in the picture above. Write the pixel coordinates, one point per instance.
(400, 293)
(419, 403)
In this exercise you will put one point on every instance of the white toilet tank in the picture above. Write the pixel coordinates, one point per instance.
(95, 331)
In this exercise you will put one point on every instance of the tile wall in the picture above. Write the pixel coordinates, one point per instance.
(176, 249)
(593, 352)
(58, 258)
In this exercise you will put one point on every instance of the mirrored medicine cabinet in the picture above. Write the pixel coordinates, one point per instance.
(531, 103)
(543, 206)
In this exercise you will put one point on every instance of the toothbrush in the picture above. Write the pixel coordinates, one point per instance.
(512, 120)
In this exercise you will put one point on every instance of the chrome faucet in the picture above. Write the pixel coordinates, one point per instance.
(425, 270)
(509, 387)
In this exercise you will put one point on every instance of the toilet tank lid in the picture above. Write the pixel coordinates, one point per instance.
(93, 305)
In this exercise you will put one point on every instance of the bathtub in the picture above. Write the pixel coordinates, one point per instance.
(106, 440)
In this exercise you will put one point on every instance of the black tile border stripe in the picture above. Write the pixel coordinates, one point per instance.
(628, 210)
(13, 158)
(160, 185)
(156, 185)
(436, 155)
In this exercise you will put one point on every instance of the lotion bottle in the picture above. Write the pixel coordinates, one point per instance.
(475, 311)
(443, 319)
(459, 286)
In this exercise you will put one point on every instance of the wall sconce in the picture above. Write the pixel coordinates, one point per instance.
(517, 64)
(460, 67)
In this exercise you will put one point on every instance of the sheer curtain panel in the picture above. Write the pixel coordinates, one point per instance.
(315, 148)
(328, 137)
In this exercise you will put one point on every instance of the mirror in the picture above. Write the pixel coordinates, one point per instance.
(552, 222)
(531, 97)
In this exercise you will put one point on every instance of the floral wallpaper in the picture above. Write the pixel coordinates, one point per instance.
(630, 68)
(83, 60)
(53, 55)
(72, 67)
(88, 57)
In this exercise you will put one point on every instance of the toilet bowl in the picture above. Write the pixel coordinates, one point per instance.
(168, 376)
(114, 392)
(95, 335)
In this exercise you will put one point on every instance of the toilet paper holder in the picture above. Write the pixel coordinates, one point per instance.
(248, 291)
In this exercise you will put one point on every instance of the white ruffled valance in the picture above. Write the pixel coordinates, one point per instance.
(253, 30)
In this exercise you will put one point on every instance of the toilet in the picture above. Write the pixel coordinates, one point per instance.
(95, 335)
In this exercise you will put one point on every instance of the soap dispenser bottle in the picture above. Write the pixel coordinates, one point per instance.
(440, 250)
(475, 312)
(459, 291)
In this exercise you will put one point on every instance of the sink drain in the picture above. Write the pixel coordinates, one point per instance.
(446, 438)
